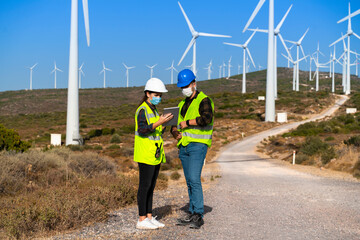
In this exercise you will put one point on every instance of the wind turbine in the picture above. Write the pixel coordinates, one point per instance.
(239, 67)
(31, 71)
(104, 71)
(127, 74)
(318, 65)
(270, 98)
(276, 33)
(356, 63)
(348, 34)
(245, 50)
(172, 68)
(54, 71)
(72, 122)
(295, 63)
(195, 35)
(298, 47)
(208, 68)
(151, 70)
(81, 72)
(229, 66)
(333, 71)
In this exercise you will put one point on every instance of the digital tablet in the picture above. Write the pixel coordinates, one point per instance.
(175, 113)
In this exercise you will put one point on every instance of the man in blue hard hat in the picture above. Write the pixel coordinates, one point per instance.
(194, 135)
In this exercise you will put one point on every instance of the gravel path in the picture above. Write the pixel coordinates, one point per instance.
(254, 199)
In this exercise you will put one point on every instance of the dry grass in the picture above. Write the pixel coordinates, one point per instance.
(58, 190)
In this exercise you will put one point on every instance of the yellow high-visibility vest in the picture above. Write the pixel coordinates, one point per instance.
(145, 147)
(195, 133)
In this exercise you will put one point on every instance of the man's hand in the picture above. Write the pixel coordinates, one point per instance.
(183, 125)
(176, 134)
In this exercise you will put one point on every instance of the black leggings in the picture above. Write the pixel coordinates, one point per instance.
(147, 180)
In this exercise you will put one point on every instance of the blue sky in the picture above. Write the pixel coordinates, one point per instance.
(152, 32)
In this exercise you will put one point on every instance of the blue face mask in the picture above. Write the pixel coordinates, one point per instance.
(155, 100)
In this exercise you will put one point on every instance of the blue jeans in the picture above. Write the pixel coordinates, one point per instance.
(192, 158)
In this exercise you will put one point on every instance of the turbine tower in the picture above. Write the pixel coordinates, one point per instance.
(72, 122)
(54, 71)
(151, 70)
(208, 68)
(347, 35)
(195, 35)
(270, 98)
(295, 63)
(298, 47)
(245, 50)
(229, 66)
(127, 74)
(81, 72)
(276, 33)
(104, 71)
(31, 71)
(172, 68)
(318, 65)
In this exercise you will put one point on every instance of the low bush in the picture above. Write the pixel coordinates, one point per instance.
(114, 146)
(354, 140)
(312, 146)
(10, 140)
(115, 138)
(330, 138)
(107, 131)
(327, 155)
(175, 176)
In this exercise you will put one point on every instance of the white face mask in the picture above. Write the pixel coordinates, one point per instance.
(187, 92)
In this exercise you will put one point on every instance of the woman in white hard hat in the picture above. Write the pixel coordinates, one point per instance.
(148, 150)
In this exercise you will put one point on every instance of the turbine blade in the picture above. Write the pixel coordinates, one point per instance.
(283, 42)
(303, 36)
(252, 35)
(349, 16)
(258, 30)
(248, 51)
(253, 15)
(86, 20)
(125, 65)
(187, 19)
(59, 70)
(356, 35)
(187, 49)
(283, 19)
(302, 50)
(291, 41)
(213, 35)
(234, 44)
(338, 40)
(288, 58)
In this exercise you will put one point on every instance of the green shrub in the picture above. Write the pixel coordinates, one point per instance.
(354, 140)
(327, 155)
(94, 133)
(10, 140)
(163, 177)
(300, 158)
(83, 125)
(98, 147)
(330, 138)
(107, 131)
(313, 145)
(219, 115)
(115, 138)
(114, 146)
(175, 176)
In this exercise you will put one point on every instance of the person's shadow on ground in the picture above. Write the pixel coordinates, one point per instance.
(166, 210)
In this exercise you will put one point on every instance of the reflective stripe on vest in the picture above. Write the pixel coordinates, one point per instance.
(145, 147)
(195, 133)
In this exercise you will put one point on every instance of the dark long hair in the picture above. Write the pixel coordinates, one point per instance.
(144, 98)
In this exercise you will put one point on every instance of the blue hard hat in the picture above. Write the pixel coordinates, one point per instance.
(185, 77)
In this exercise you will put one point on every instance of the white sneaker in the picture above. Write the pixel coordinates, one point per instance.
(145, 224)
(156, 222)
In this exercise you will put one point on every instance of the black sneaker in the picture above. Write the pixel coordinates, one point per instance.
(197, 221)
(185, 220)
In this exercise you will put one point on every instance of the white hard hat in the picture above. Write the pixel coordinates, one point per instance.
(155, 85)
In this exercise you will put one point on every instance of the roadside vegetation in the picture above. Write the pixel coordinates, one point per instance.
(333, 143)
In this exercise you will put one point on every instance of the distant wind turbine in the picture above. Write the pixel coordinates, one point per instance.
(72, 122)
(245, 50)
(104, 71)
(195, 35)
(127, 74)
(318, 65)
(229, 66)
(298, 47)
(151, 70)
(31, 71)
(347, 35)
(208, 68)
(172, 68)
(54, 71)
